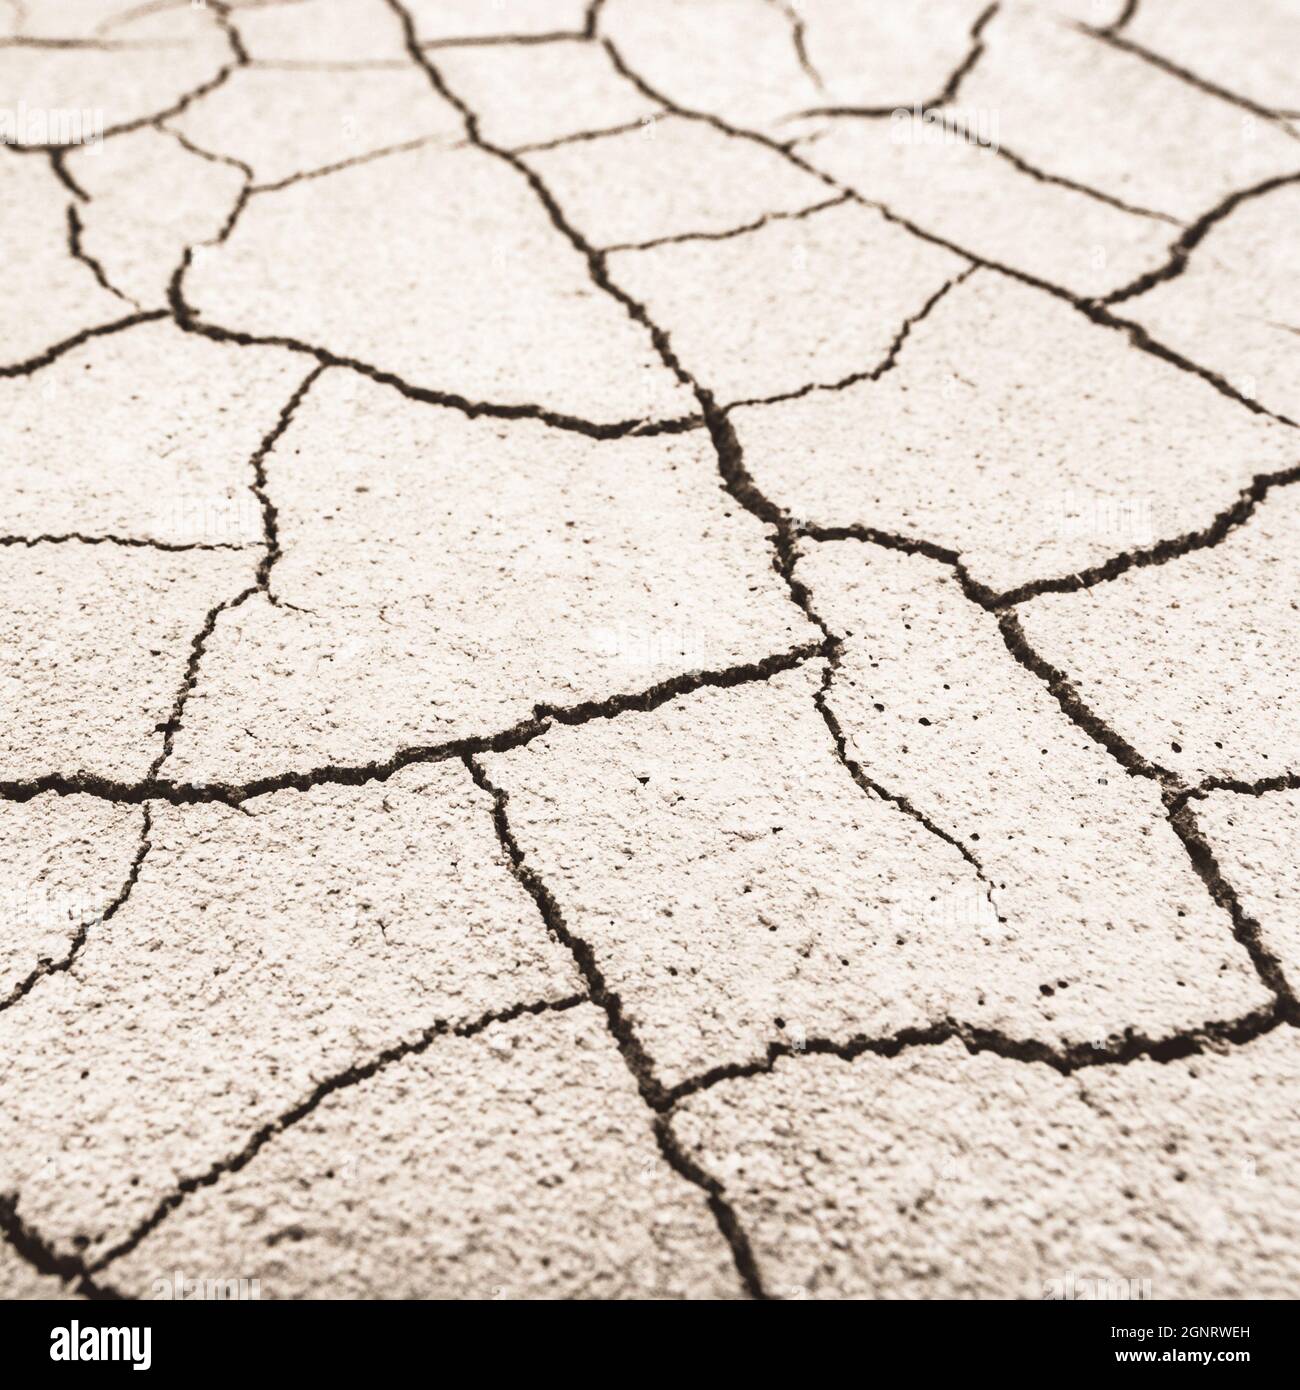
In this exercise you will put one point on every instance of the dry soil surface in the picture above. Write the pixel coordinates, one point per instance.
(649, 648)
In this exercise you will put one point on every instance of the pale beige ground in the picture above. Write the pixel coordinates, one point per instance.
(649, 648)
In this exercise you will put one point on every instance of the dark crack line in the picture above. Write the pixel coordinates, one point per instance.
(952, 87)
(188, 145)
(595, 259)
(676, 686)
(1023, 166)
(261, 488)
(1136, 50)
(584, 956)
(1219, 529)
(407, 145)
(1284, 781)
(80, 936)
(1175, 795)
(886, 364)
(1245, 928)
(870, 535)
(79, 252)
(686, 113)
(723, 1211)
(1142, 340)
(1097, 313)
(35, 1251)
(356, 775)
(795, 216)
(141, 542)
(741, 485)
(948, 93)
(239, 58)
(242, 199)
(1119, 1050)
(187, 319)
(59, 164)
(1181, 250)
(340, 1081)
(735, 477)
(101, 330)
(871, 787)
(624, 1036)
(261, 578)
(1017, 162)
(582, 136)
(630, 1048)
(1063, 691)
(1122, 21)
(788, 559)
(96, 45)
(226, 21)
(1058, 684)
(1091, 309)
(799, 37)
(1207, 538)
(498, 40)
(221, 76)
(198, 644)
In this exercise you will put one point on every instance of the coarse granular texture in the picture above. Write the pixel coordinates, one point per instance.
(648, 648)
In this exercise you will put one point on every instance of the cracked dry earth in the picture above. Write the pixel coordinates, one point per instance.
(649, 647)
